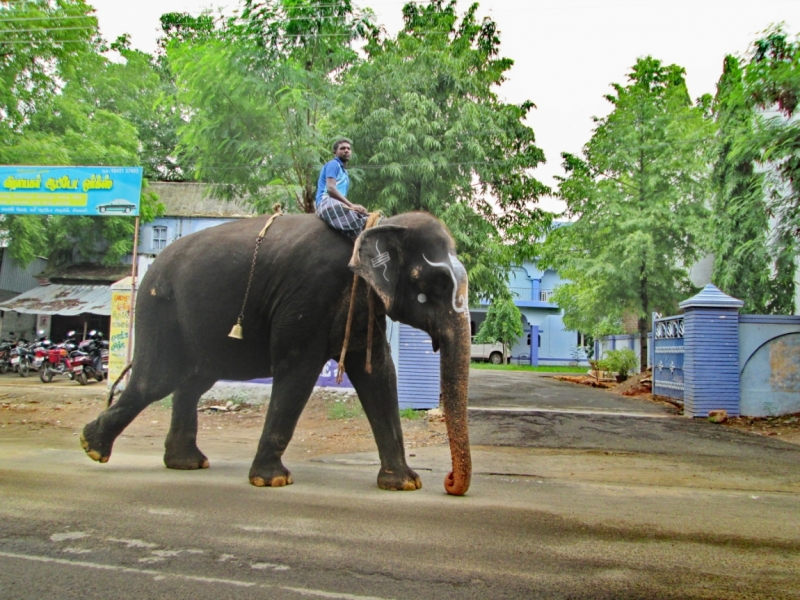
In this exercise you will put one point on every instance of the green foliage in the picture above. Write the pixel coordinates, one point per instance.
(262, 88)
(638, 204)
(749, 264)
(503, 324)
(431, 134)
(347, 408)
(620, 361)
(82, 109)
(771, 84)
(55, 37)
(410, 414)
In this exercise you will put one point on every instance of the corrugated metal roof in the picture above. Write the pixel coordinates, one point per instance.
(57, 299)
(188, 199)
(15, 278)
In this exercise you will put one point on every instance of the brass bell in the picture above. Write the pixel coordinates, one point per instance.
(236, 331)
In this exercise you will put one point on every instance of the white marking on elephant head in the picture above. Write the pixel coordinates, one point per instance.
(383, 259)
(459, 275)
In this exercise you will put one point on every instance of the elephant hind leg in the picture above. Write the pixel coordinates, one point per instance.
(181, 451)
(98, 436)
(291, 388)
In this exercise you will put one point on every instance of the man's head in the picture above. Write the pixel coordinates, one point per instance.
(342, 149)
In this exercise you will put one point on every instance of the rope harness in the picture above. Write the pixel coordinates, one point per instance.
(371, 222)
(237, 331)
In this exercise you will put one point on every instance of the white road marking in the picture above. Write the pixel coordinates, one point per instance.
(226, 557)
(166, 553)
(71, 550)
(70, 535)
(133, 543)
(273, 566)
(149, 560)
(160, 575)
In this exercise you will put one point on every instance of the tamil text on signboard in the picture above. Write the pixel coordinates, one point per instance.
(91, 191)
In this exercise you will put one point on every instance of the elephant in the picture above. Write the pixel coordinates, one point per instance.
(293, 322)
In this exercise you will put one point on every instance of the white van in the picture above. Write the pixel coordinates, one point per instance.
(487, 352)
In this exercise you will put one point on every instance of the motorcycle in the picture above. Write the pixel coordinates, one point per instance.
(39, 349)
(21, 357)
(5, 355)
(58, 361)
(90, 360)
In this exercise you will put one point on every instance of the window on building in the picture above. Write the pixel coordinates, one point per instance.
(159, 237)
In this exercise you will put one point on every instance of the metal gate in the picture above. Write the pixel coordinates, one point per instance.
(668, 354)
(418, 370)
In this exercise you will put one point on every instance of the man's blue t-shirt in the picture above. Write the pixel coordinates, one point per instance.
(336, 170)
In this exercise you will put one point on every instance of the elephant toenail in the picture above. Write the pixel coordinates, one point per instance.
(258, 482)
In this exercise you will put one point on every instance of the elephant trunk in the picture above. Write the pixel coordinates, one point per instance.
(455, 355)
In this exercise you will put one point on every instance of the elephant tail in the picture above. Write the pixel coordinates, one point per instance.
(116, 383)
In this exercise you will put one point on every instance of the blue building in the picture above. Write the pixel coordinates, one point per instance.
(545, 341)
(188, 208)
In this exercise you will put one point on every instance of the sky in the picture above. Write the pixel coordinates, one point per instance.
(566, 52)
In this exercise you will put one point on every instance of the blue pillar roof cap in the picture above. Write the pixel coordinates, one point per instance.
(711, 297)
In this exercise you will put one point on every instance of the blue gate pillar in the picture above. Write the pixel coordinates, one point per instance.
(535, 345)
(711, 359)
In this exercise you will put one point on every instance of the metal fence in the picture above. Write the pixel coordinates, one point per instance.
(668, 355)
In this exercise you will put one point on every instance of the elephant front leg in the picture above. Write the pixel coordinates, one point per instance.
(290, 392)
(378, 394)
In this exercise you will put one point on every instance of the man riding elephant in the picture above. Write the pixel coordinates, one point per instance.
(332, 204)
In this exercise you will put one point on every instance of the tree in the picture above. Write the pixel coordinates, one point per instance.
(261, 89)
(424, 114)
(772, 83)
(66, 113)
(744, 250)
(638, 201)
(41, 45)
(503, 324)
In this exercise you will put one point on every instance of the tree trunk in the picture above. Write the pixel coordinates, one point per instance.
(644, 321)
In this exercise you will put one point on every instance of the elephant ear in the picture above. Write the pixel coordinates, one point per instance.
(376, 258)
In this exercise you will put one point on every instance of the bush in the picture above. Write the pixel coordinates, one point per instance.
(619, 361)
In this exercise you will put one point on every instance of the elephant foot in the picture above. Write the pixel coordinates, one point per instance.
(399, 480)
(186, 461)
(278, 477)
(93, 445)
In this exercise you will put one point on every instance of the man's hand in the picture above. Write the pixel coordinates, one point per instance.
(359, 208)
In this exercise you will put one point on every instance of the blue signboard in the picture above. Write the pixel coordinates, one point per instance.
(90, 191)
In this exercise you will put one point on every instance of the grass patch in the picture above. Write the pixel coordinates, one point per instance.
(539, 369)
(345, 409)
(410, 414)
(165, 402)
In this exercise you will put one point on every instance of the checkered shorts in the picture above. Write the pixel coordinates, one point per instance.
(341, 218)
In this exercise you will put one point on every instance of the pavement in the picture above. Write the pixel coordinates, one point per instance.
(514, 390)
(576, 493)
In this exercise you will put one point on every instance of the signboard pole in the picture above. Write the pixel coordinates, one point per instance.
(133, 291)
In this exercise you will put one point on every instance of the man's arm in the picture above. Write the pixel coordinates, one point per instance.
(330, 188)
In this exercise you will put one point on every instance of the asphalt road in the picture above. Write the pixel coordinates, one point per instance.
(565, 503)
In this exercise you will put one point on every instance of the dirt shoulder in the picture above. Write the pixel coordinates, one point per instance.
(332, 423)
(785, 427)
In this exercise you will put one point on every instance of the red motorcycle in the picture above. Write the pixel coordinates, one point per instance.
(57, 360)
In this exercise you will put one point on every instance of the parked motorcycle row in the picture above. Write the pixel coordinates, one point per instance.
(80, 361)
